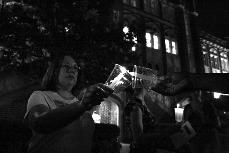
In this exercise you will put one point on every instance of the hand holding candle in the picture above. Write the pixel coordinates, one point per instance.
(179, 113)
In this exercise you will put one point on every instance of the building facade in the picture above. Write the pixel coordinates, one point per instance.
(166, 34)
(215, 53)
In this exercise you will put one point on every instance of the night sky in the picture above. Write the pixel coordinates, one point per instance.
(214, 17)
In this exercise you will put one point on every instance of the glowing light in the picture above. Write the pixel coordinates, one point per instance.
(125, 29)
(178, 105)
(216, 95)
(66, 29)
(148, 40)
(155, 42)
(117, 80)
(133, 48)
(174, 50)
(96, 117)
(167, 46)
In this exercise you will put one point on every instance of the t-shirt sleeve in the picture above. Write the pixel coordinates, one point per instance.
(36, 98)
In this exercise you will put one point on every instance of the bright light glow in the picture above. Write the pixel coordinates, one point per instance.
(148, 40)
(117, 80)
(216, 95)
(125, 29)
(174, 50)
(167, 46)
(96, 117)
(178, 105)
(135, 40)
(123, 69)
(133, 48)
(66, 29)
(155, 42)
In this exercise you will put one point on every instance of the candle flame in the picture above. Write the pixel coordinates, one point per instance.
(178, 105)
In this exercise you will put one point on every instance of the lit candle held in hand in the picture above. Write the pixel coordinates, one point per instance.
(179, 113)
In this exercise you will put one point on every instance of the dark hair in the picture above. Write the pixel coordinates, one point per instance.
(50, 78)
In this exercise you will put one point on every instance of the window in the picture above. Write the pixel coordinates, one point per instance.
(148, 40)
(224, 63)
(167, 46)
(152, 40)
(206, 60)
(170, 46)
(174, 47)
(155, 42)
(133, 3)
(153, 4)
(107, 112)
(146, 6)
(214, 61)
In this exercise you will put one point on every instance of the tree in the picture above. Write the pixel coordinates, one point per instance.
(38, 30)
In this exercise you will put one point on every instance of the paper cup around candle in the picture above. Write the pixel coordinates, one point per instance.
(179, 114)
(119, 78)
(144, 77)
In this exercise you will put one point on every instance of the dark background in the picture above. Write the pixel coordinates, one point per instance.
(214, 17)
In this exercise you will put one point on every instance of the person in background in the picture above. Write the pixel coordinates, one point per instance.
(203, 117)
(61, 122)
(141, 120)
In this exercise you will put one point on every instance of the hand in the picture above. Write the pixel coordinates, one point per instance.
(95, 94)
(174, 84)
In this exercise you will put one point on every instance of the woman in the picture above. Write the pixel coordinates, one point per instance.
(59, 121)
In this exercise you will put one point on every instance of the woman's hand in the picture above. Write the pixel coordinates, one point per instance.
(95, 94)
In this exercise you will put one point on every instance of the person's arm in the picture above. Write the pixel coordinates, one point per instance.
(136, 122)
(174, 89)
(44, 120)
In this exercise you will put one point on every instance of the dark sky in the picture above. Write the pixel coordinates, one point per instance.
(214, 17)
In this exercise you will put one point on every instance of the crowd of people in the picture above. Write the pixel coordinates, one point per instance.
(61, 121)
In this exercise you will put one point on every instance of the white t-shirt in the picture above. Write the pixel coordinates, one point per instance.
(76, 137)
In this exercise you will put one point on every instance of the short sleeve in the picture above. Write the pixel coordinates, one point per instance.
(36, 98)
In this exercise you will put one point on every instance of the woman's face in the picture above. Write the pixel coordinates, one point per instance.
(68, 73)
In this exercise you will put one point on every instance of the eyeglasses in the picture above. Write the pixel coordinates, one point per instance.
(75, 67)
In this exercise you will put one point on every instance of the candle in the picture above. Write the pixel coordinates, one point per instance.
(179, 113)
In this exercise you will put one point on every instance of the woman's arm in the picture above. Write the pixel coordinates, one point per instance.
(44, 121)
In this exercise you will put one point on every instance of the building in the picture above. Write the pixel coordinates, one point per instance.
(215, 53)
(166, 34)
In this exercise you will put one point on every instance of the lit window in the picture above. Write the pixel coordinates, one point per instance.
(174, 48)
(167, 46)
(224, 63)
(148, 40)
(107, 112)
(155, 42)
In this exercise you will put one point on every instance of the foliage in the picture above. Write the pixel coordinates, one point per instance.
(40, 30)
